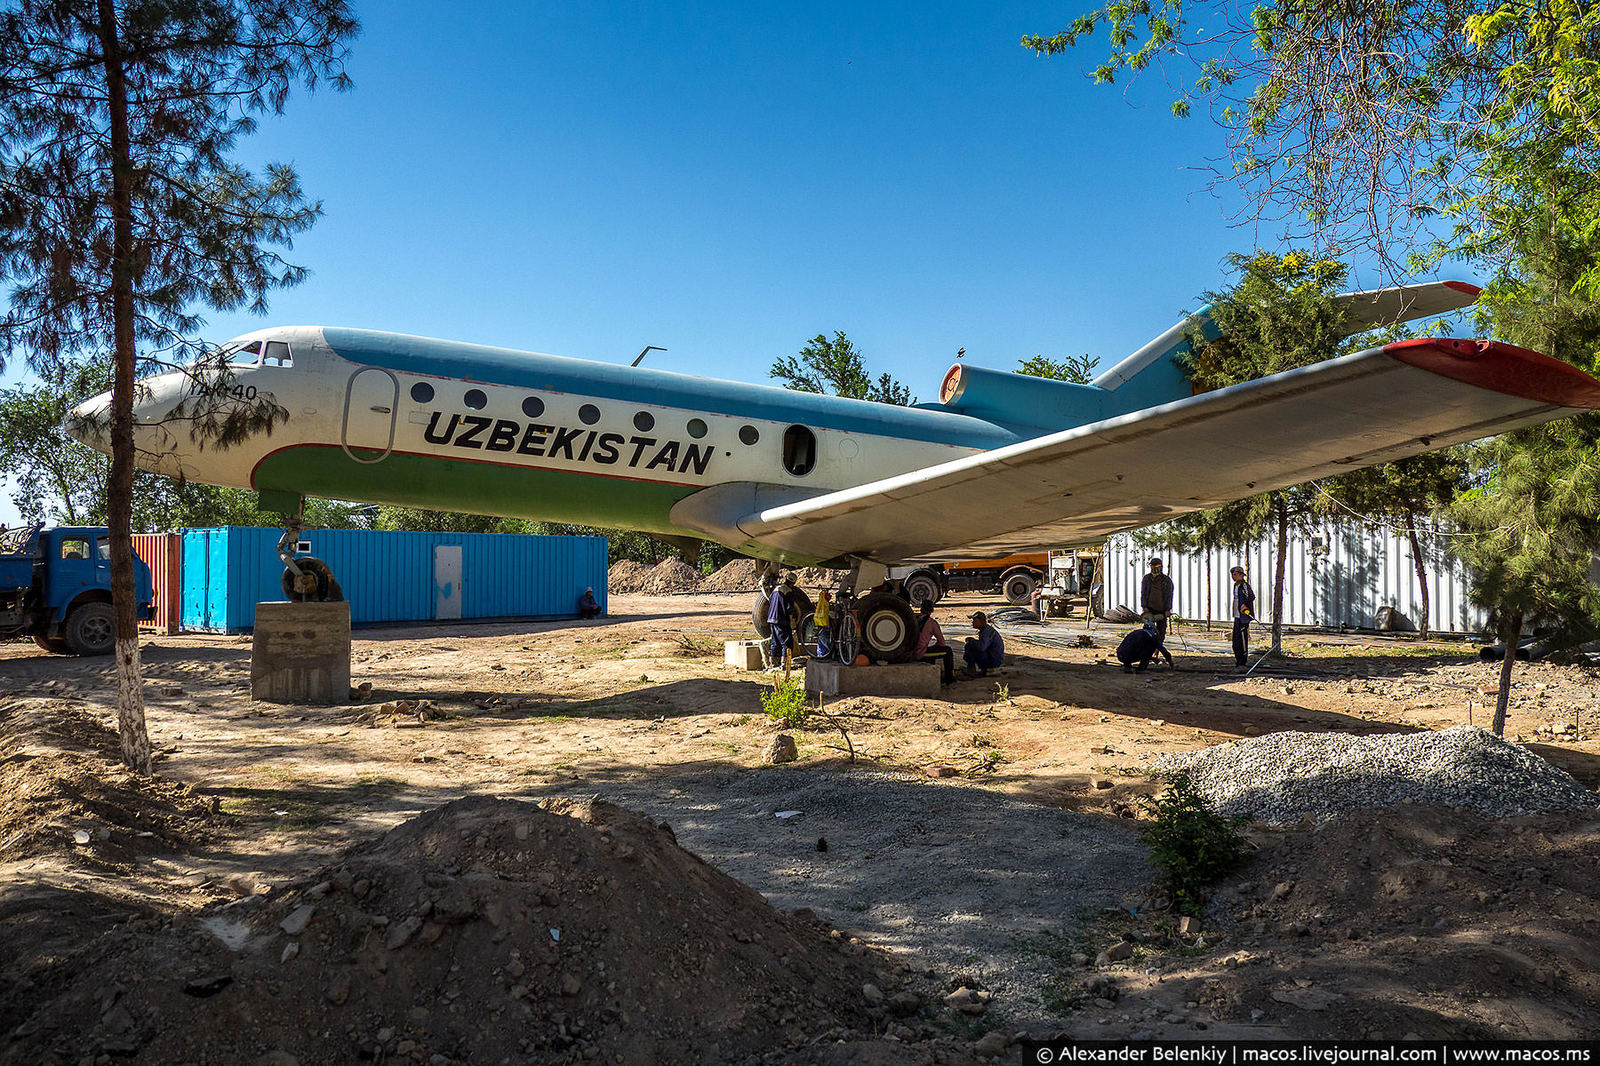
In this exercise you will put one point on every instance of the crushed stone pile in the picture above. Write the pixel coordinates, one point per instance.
(487, 930)
(817, 577)
(626, 575)
(1283, 777)
(740, 575)
(669, 576)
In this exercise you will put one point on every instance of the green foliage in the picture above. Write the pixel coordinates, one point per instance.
(1190, 843)
(1280, 314)
(53, 477)
(787, 703)
(1078, 369)
(834, 367)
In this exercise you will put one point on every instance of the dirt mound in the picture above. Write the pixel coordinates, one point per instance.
(484, 931)
(1493, 921)
(73, 797)
(626, 575)
(818, 577)
(740, 575)
(669, 576)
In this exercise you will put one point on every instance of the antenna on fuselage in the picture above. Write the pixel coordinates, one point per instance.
(647, 351)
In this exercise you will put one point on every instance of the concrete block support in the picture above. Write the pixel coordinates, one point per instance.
(745, 654)
(301, 653)
(897, 679)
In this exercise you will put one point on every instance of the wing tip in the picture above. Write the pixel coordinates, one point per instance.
(1502, 368)
(1465, 286)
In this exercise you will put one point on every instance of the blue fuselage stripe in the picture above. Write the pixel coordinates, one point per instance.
(552, 373)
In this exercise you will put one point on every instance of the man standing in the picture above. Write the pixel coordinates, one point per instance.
(931, 645)
(1139, 647)
(1155, 598)
(986, 651)
(1244, 612)
(779, 619)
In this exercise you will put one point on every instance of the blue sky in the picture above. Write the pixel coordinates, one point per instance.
(728, 180)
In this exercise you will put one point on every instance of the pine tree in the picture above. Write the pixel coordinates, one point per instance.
(121, 211)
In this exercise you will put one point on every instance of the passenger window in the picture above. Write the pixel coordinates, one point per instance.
(74, 548)
(799, 450)
(277, 354)
(249, 355)
(103, 546)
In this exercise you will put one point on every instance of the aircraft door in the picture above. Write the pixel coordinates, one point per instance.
(369, 414)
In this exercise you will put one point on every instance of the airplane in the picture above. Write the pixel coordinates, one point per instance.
(1003, 462)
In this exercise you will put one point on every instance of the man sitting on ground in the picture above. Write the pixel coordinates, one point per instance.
(931, 645)
(986, 651)
(588, 607)
(1140, 647)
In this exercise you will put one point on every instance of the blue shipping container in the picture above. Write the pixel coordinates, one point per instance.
(393, 577)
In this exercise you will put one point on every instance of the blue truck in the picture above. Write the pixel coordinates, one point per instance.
(55, 586)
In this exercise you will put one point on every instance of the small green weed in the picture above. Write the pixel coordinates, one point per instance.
(786, 703)
(1190, 843)
(1002, 693)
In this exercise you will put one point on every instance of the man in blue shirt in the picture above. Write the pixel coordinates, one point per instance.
(985, 651)
(1244, 612)
(778, 617)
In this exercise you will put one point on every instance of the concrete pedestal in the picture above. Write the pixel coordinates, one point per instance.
(897, 679)
(301, 653)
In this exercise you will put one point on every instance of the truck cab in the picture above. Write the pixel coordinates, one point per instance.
(55, 586)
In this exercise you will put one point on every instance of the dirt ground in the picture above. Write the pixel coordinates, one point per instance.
(1390, 923)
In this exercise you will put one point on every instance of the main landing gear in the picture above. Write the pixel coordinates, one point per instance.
(305, 579)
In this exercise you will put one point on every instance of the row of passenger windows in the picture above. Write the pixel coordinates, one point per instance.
(799, 443)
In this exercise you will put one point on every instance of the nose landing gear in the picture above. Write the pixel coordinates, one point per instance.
(305, 579)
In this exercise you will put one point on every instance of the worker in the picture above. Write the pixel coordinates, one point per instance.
(780, 617)
(588, 607)
(1244, 612)
(931, 645)
(1139, 647)
(986, 651)
(821, 618)
(1155, 598)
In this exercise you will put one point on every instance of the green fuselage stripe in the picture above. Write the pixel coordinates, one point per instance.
(451, 484)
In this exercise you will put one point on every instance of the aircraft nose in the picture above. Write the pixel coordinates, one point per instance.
(89, 422)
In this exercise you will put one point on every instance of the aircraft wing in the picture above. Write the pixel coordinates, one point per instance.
(1081, 485)
(1405, 303)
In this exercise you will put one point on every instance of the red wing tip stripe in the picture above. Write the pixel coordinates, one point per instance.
(1465, 286)
(1502, 368)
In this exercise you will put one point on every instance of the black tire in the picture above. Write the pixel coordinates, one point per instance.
(923, 587)
(1017, 587)
(90, 630)
(888, 627)
(327, 589)
(53, 645)
(758, 615)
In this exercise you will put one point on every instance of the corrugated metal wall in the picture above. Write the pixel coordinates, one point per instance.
(163, 554)
(1336, 575)
(389, 576)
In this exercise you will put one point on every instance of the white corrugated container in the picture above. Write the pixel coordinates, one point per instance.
(1337, 575)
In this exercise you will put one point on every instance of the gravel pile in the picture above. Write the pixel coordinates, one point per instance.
(1280, 778)
(669, 576)
(740, 575)
(626, 575)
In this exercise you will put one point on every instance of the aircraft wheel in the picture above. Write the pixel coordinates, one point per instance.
(53, 645)
(888, 628)
(758, 615)
(316, 583)
(923, 587)
(1018, 587)
(90, 630)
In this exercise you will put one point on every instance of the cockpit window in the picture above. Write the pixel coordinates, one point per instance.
(246, 355)
(277, 353)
